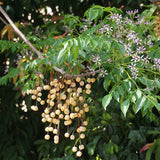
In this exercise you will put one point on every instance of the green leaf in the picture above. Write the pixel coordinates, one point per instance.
(106, 100)
(94, 13)
(157, 82)
(120, 90)
(121, 48)
(106, 83)
(140, 102)
(127, 85)
(125, 106)
(62, 51)
(116, 96)
(139, 93)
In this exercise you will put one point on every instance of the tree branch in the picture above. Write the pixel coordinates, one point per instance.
(39, 54)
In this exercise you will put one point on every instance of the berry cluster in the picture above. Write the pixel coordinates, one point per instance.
(65, 103)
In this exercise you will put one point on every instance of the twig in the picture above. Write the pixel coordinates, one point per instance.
(3, 21)
(39, 54)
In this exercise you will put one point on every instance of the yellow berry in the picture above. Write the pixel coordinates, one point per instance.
(46, 111)
(81, 83)
(85, 123)
(67, 117)
(80, 98)
(85, 105)
(61, 116)
(43, 120)
(47, 129)
(52, 114)
(72, 137)
(79, 154)
(55, 131)
(78, 79)
(58, 112)
(42, 102)
(38, 99)
(76, 109)
(82, 136)
(79, 89)
(39, 89)
(50, 129)
(86, 109)
(39, 94)
(81, 147)
(34, 97)
(51, 103)
(47, 137)
(88, 91)
(66, 134)
(88, 86)
(74, 149)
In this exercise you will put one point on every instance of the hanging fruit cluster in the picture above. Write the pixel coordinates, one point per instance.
(65, 104)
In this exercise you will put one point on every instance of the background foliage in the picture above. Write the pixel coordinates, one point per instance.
(110, 134)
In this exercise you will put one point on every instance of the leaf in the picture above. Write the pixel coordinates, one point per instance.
(157, 82)
(4, 30)
(106, 83)
(139, 93)
(121, 48)
(94, 13)
(127, 85)
(62, 51)
(116, 96)
(106, 100)
(140, 102)
(10, 34)
(146, 146)
(125, 106)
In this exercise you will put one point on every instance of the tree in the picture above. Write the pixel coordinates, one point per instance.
(122, 60)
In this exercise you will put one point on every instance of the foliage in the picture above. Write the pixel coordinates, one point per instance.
(126, 50)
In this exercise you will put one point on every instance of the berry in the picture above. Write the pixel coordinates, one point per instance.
(33, 97)
(79, 154)
(74, 149)
(72, 137)
(66, 134)
(42, 102)
(55, 131)
(78, 79)
(81, 147)
(58, 112)
(39, 94)
(47, 137)
(47, 129)
(82, 136)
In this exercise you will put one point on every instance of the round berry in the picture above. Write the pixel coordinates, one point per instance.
(66, 134)
(39, 94)
(72, 137)
(82, 136)
(52, 114)
(47, 137)
(79, 154)
(88, 91)
(55, 131)
(81, 83)
(47, 129)
(76, 109)
(86, 109)
(85, 123)
(88, 86)
(81, 147)
(42, 102)
(74, 149)
(33, 97)
(78, 79)
(58, 112)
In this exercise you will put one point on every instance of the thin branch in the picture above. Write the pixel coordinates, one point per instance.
(3, 21)
(39, 54)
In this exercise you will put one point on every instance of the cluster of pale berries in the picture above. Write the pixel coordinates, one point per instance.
(65, 102)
